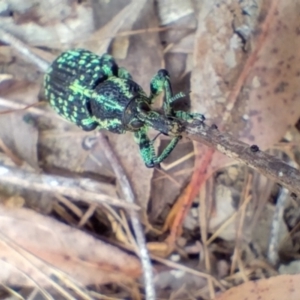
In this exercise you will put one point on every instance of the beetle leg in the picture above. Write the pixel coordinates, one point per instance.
(186, 116)
(161, 83)
(147, 149)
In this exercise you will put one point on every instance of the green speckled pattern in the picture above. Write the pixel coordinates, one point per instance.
(70, 81)
(93, 92)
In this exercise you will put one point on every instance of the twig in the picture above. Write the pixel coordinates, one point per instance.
(273, 249)
(129, 196)
(277, 222)
(268, 165)
(246, 198)
(74, 188)
(203, 218)
(24, 50)
(188, 270)
(15, 106)
(17, 160)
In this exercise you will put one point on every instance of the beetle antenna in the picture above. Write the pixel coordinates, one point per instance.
(156, 137)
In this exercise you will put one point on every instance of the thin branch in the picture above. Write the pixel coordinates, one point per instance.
(277, 223)
(24, 50)
(77, 189)
(129, 196)
(268, 165)
(15, 106)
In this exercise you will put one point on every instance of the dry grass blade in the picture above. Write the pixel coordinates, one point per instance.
(239, 234)
(203, 215)
(273, 249)
(10, 154)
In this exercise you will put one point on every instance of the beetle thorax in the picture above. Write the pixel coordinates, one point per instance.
(118, 98)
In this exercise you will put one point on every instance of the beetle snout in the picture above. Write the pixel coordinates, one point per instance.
(175, 126)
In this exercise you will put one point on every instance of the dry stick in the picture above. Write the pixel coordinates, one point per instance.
(15, 106)
(273, 248)
(61, 185)
(17, 161)
(239, 231)
(120, 174)
(268, 165)
(203, 229)
(24, 50)
(129, 196)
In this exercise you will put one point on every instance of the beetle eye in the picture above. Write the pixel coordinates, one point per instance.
(144, 107)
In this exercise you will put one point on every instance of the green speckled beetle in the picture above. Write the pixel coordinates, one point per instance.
(94, 93)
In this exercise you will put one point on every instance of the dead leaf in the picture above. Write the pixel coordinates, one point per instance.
(17, 130)
(258, 88)
(172, 10)
(29, 239)
(275, 288)
(116, 19)
(64, 23)
(271, 91)
(14, 202)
